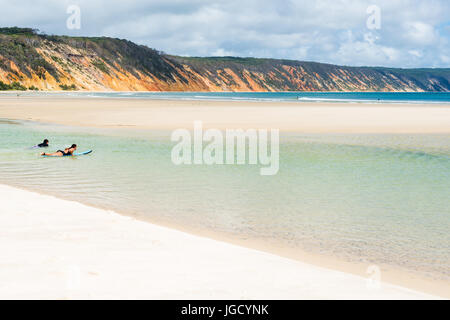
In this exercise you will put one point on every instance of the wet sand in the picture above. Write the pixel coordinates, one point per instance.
(286, 116)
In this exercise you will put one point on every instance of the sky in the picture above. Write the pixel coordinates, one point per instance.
(392, 33)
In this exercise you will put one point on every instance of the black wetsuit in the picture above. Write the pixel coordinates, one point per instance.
(65, 154)
(42, 145)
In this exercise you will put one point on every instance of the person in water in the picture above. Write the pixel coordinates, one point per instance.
(44, 144)
(61, 153)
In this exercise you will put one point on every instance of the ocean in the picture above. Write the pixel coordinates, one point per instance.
(371, 198)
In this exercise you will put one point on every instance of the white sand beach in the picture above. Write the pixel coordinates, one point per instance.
(286, 116)
(58, 249)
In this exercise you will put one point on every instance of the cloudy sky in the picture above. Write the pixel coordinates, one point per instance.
(399, 33)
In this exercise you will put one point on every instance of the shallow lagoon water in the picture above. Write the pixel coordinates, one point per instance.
(365, 198)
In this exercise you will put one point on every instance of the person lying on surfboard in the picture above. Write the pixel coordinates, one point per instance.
(44, 144)
(60, 153)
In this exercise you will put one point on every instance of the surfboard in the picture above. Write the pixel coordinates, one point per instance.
(82, 153)
(75, 154)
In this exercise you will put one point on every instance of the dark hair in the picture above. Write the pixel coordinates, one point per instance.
(45, 141)
(73, 146)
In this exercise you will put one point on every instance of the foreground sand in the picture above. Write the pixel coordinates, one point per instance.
(163, 114)
(58, 249)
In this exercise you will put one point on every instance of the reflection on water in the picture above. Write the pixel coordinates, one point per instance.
(377, 198)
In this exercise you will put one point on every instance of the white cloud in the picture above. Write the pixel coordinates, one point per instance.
(420, 33)
(415, 53)
(221, 53)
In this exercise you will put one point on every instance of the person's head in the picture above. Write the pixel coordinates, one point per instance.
(74, 146)
(46, 141)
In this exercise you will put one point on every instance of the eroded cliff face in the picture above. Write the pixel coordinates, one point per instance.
(104, 64)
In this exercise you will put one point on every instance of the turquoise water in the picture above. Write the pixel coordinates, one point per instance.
(350, 97)
(361, 198)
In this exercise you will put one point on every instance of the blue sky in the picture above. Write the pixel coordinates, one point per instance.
(411, 33)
